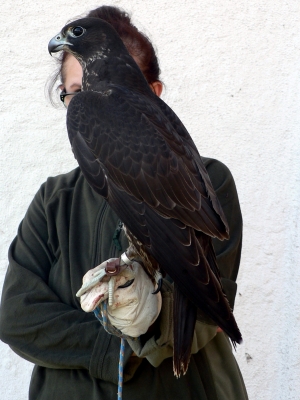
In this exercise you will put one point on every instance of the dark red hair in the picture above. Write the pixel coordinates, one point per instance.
(136, 42)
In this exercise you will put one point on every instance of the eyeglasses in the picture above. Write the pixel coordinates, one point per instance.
(67, 97)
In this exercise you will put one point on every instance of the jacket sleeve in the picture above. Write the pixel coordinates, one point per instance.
(228, 252)
(36, 323)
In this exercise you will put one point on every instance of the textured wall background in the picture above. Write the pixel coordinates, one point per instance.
(232, 73)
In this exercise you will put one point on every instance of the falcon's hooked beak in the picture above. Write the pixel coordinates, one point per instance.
(58, 43)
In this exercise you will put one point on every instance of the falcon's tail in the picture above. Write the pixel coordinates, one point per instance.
(184, 319)
(185, 312)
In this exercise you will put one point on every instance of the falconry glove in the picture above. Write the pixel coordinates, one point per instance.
(132, 306)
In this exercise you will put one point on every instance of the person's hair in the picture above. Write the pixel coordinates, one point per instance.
(136, 42)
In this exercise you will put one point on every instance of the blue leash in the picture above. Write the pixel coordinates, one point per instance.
(101, 314)
(121, 364)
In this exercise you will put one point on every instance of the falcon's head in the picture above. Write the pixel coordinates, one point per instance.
(101, 53)
(87, 39)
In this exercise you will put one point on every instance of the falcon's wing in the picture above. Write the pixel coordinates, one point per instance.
(124, 140)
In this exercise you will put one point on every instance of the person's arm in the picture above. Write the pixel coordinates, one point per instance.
(228, 252)
(36, 323)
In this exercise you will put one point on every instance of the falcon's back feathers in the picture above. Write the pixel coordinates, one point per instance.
(135, 152)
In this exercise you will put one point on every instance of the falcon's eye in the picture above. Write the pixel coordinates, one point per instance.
(77, 31)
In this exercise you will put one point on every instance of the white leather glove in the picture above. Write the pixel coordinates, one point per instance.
(131, 309)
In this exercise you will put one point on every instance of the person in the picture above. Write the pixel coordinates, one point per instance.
(69, 229)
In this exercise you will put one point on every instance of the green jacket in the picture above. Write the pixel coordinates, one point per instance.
(68, 230)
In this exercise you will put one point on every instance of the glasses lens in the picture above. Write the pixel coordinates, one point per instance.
(68, 98)
(62, 95)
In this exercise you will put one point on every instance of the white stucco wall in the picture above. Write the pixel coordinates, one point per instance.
(232, 73)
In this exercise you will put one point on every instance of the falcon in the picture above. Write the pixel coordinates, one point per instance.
(135, 152)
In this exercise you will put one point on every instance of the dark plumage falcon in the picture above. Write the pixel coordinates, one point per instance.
(135, 152)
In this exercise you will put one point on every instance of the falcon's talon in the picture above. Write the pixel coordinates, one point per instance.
(159, 285)
(127, 284)
(157, 276)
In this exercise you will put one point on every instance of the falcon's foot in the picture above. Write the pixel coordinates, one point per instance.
(158, 280)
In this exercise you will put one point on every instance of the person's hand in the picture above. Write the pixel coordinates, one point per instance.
(133, 307)
(97, 283)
